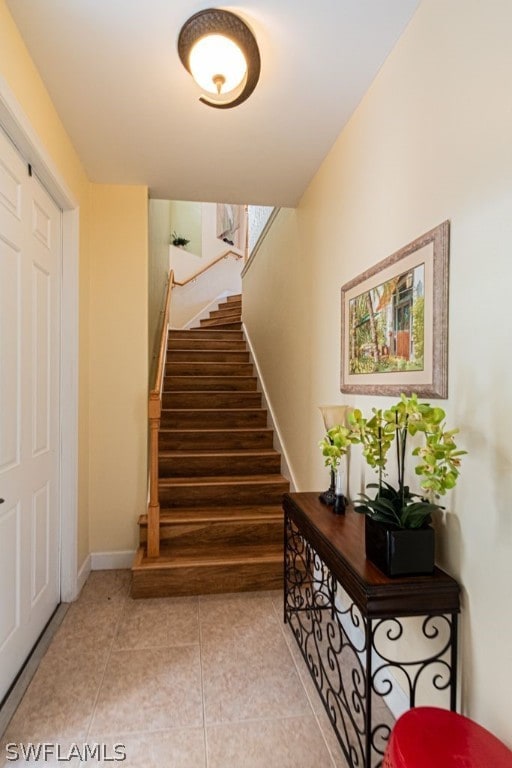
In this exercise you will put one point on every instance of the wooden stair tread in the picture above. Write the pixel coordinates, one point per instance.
(166, 482)
(221, 452)
(200, 377)
(217, 514)
(205, 334)
(199, 330)
(206, 411)
(221, 321)
(217, 429)
(208, 368)
(191, 399)
(210, 363)
(195, 382)
(223, 556)
(227, 311)
(205, 392)
(206, 350)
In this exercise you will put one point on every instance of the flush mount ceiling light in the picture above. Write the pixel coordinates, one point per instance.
(221, 53)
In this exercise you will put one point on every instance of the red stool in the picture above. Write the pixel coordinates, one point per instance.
(428, 737)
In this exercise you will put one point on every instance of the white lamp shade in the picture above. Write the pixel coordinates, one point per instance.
(215, 61)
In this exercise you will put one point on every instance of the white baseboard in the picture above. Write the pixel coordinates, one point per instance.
(279, 443)
(204, 313)
(108, 561)
(82, 575)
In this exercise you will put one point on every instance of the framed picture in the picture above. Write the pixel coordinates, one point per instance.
(394, 322)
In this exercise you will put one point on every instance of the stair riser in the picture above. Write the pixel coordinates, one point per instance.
(232, 310)
(228, 493)
(234, 325)
(236, 297)
(210, 383)
(237, 533)
(206, 356)
(202, 580)
(224, 315)
(208, 466)
(211, 400)
(233, 306)
(216, 441)
(223, 419)
(208, 369)
(199, 334)
(198, 345)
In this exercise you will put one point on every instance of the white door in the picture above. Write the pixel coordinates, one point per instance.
(30, 269)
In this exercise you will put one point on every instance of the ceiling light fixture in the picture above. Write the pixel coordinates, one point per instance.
(221, 53)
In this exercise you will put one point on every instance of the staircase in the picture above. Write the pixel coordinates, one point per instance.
(220, 485)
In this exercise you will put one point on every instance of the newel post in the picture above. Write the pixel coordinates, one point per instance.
(153, 542)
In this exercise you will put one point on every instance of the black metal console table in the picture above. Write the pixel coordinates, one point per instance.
(361, 633)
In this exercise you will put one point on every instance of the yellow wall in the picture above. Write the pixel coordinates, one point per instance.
(159, 225)
(186, 221)
(430, 141)
(112, 258)
(18, 70)
(118, 374)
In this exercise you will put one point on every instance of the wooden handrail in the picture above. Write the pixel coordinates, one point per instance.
(154, 414)
(163, 337)
(224, 255)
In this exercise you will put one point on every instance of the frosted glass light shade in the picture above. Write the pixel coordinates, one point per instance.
(335, 414)
(225, 60)
(217, 64)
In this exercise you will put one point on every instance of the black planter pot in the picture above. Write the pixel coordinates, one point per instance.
(400, 552)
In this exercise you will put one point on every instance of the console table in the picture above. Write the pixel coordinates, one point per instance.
(365, 638)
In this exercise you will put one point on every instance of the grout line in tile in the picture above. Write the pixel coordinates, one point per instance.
(205, 734)
(216, 723)
(288, 640)
(109, 656)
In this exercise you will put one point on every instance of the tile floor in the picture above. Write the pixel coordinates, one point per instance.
(201, 682)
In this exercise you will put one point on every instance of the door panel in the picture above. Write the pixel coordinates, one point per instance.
(41, 362)
(9, 572)
(10, 385)
(30, 270)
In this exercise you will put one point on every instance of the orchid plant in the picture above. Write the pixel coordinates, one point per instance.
(437, 466)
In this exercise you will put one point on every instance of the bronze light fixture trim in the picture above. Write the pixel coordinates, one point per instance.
(214, 21)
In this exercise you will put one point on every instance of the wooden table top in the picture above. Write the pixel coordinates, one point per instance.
(339, 541)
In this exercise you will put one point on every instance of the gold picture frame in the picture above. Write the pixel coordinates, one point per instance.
(394, 322)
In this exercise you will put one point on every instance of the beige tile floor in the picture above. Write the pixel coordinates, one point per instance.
(203, 682)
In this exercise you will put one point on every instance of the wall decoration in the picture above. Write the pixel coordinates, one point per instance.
(230, 224)
(394, 322)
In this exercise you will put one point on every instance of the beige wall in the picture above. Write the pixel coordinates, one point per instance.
(430, 141)
(118, 375)
(158, 269)
(112, 315)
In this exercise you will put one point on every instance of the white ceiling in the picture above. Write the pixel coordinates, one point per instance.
(132, 110)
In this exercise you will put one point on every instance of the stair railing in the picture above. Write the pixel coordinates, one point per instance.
(154, 415)
(200, 272)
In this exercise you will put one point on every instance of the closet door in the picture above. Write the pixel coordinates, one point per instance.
(30, 278)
